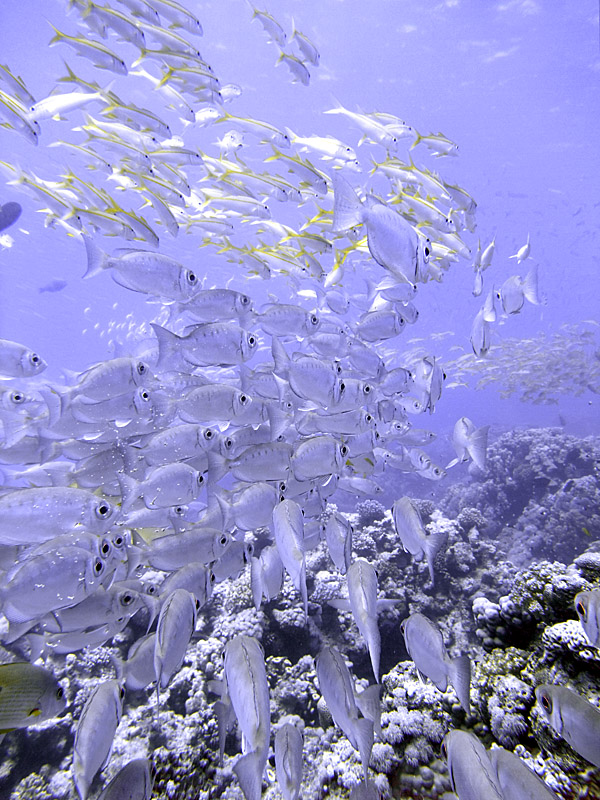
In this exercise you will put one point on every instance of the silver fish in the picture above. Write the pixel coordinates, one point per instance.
(248, 692)
(288, 525)
(414, 540)
(472, 775)
(95, 733)
(573, 718)
(18, 361)
(288, 760)
(469, 442)
(266, 575)
(516, 780)
(587, 606)
(134, 781)
(176, 624)
(28, 695)
(425, 646)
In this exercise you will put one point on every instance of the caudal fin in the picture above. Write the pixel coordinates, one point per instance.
(97, 259)
(530, 286)
(477, 446)
(460, 678)
(347, 206)
(434, 543)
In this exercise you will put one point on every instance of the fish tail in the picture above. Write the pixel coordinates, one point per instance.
(168, 347)
(217, 467)
(249, 769)
(280, 357)
(434, 543)
(256, 582)
(478, 446)
(347, 207)
(364, 740)
(460, 678)
(278, 421)
(97, 259)
(128, 486)
(530, 286)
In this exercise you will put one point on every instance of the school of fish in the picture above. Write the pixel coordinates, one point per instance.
(236, 410)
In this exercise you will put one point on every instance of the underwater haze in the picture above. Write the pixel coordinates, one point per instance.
(299, 399)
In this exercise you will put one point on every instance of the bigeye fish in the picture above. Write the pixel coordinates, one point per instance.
(134, 781)
(469, 442)
(176, 443)
(261, 462)
(414, 540)
(28, 695)
(315, 456)
(217, 305)
(143, 271)
(472, 775)
(248, 694)
(176, 624)
(52, 580)
(222, 344)
(213, 402)
(587, 606)
(288, 760)
(337, 688)
(516, 780)
(163, 487)
(175, 550)
(288, 526)
(112, 378)
(362, 602)
(266, 575)
(573, 718)
(35, 515)
(18, 361)
(281, 319)
(95, 733)
(249, 508)
(196, 577)
(425, 646)
(338, 535)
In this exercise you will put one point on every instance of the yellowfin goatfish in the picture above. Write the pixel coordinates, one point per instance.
(28, 695)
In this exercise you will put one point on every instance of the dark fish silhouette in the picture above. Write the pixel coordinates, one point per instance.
(9, 214)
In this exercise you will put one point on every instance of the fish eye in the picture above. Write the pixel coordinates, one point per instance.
(145, 396)
(122, 693)
(105, 549)
(281, 498)
(17, 398)
(368, 418)
(127, 599)
(34, 359)
(367, 388)
(282, 486)
(118, 540)
(249, 549)
(103, 510)
(251, 341)
(546, 703)
(60, 693)
(98, 567)
(212, 577)
(228, 443)
(243, 399)
(141, 368)
(151, 590)
(581, 610)
(339, 369)
(208, 434)
(223, 541)
(344, 450)
(244, 300)
(179, 511)
(200, 479)
(342, 387)
(314, 320)
(437, 471)
(191, 278)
